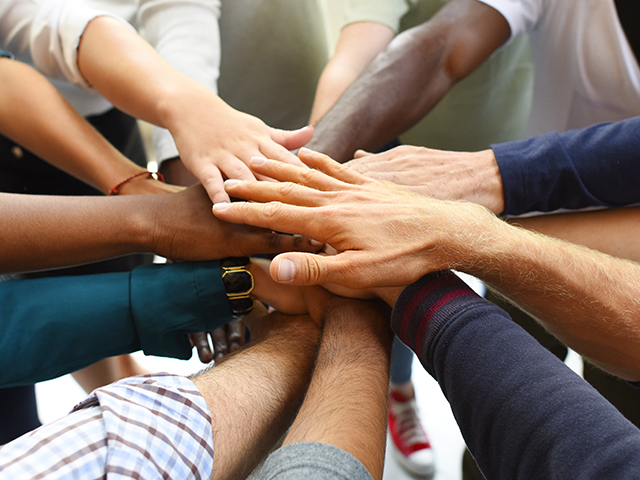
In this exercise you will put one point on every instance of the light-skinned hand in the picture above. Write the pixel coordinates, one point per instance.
(384, 234)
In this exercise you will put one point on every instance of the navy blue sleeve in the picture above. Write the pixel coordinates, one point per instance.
(522, 412)
(595, 166)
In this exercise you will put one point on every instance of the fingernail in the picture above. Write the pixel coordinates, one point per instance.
(218, 207)
(258, 160)
(315, 243)
(304, 150)
(232, 182)
(286, 270)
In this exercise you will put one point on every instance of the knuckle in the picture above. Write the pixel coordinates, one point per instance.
(309, 175)
(274, 240)
(314, 270)
(272, 210)
(286, 189)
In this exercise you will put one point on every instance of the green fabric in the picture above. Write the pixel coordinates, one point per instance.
(491, 105)
(53, 326)
(385, 12)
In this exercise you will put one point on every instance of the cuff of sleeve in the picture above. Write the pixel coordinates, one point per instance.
(313, 460)
(56, 35)
(539, 176)
(170, 301)
(424, 307)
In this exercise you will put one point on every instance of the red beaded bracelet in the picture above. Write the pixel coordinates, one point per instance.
(157, 175)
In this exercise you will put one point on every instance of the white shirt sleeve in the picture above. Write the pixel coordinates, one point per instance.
(522, 15)
(186, 33)
(48, 33)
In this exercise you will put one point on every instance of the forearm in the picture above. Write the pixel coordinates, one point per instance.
(352, 363)
(127, 71)
(254, 394)
(173, 28)
(43, 232)
(358, 45)
(406, 80)
(586, 299)
(44, 123)
(611, 231)
(378, 106)
(505, 389)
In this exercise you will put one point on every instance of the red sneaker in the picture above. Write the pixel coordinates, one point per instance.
(409, 442)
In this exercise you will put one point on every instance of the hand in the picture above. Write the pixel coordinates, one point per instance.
(385, 235)
(471, 176)
(183, 229)
(287, 299)
(354, 315)
(216, 142)
(225, 339)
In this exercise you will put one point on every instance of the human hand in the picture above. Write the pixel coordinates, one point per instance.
(471, 176)
(287, 299)
(216, 142)
(354, 315)
(385, 235)
(180, 227)
(225, 339)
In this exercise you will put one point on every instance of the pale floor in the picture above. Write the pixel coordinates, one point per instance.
(57, 397)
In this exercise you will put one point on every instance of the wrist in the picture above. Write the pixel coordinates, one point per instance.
(492, 193)
(181, 99)
(141, 182)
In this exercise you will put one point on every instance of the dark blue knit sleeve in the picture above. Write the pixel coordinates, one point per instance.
(523, 413)
(595, 166)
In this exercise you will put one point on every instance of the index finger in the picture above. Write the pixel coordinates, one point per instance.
(273, 216)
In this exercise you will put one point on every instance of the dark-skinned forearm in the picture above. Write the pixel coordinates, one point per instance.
(408, 79)
(41, 232)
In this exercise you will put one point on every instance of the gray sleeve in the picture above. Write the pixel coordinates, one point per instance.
(313, 461)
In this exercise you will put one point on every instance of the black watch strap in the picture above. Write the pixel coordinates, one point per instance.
(238, 283)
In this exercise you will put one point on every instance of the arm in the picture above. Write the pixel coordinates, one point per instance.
(569, 170)
(611, 231)
(253, 394)
(41, 120)
(357, 46)
(80, 320)
(173, 28)
(41, 232)
(527, 415)
(406, 80)
(213, 139)
(386, 236)
(346, 403)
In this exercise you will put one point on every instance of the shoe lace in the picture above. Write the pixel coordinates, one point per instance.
(408, 422)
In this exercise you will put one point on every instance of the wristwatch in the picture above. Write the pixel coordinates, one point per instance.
(238, 283)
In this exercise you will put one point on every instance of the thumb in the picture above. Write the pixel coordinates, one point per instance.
(292, 139)
(301, 269)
